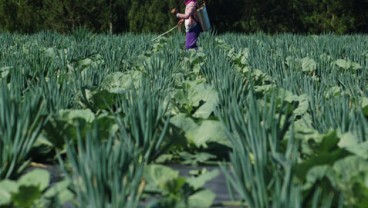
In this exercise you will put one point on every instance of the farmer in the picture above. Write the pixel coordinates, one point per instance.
(192, 26)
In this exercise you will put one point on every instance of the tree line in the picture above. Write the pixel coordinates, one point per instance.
(147, 16)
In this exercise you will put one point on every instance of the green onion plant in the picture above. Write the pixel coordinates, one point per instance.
(105, 172)
(20, 125)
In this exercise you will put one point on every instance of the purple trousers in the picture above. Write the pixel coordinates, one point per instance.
(192, 37)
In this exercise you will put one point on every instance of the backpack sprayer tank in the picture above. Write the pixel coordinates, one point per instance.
(203, 18)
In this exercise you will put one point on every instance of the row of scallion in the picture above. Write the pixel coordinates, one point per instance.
(294, 109)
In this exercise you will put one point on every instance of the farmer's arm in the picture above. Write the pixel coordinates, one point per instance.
(191, 7)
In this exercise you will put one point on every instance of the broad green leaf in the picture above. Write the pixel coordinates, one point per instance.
(351, 168)
(348, 176)
(196, 158)
(119, 82)
(103, 99)
(38, 178)
(347, 64)
(328, 143)
(197, 93)
(57, 129)
(287, 95)
(201, 199)
(5, 71)
(263, 89)
(308, 64)
(183, 122)
(259, 77)
(239, 58)
(302, 103)
(180, 97)
(332, 92)
(50, 52)
(290, 61)
(199, 57)
(317, 173)
(70, 115)
(7, 188)
(327, 152)
(106, 125)
(85, 62)
(174, 186)
(57, 188)
(201, 180)
(208, 131)
(42, 140)
(350, 142)
(26, 196)
(351, 179)
(164, 158)
(305, 121)
(159, 175)
(61, 191)
(211, 100)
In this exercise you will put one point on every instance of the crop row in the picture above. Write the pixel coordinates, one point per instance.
(285, 117)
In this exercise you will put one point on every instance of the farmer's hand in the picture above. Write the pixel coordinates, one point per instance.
(181, 21)
(174, 11)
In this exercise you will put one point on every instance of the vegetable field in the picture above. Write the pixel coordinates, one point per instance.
(283, 118)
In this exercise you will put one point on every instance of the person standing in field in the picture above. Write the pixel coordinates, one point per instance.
(192, 26)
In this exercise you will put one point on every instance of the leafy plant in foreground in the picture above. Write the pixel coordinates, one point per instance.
(33, 190)
(166, 189)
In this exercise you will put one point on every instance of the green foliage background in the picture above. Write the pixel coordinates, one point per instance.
(117, 16)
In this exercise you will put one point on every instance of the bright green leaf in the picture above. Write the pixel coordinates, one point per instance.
(183, 122)
(208, 131)
(308, 64)
(332, 92)
(210, 97)
(61, 191)
(194, 159)
(316, 174)
(201, 199)
(348, 64)
(50, 52)
(69, 115)
(201, 180)
(7, 187)
(85, 62)
(4, 71)
(350, 142)
(159, 175)
(119, 82)
(37, 178)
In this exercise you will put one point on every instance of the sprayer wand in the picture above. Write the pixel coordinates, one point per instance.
(165, 33)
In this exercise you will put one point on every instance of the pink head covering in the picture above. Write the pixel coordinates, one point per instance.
(188, 1)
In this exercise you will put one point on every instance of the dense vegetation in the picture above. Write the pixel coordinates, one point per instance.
(117, 16)
(285, 116)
